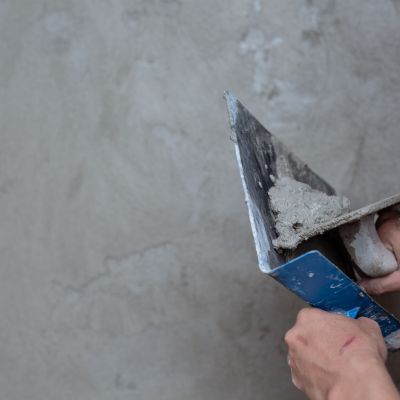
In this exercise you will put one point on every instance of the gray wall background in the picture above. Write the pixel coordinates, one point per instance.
(127, 267)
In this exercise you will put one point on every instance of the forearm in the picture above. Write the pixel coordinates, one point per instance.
(368, 382)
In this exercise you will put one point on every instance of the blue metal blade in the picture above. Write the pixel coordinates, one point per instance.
(323, 285)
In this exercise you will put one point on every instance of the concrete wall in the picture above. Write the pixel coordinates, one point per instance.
(127, 267)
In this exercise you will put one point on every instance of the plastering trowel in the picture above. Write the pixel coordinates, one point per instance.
(305, 236)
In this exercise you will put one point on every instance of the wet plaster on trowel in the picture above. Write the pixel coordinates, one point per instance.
(297, 207)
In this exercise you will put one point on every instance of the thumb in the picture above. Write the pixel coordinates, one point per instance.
(378, 286)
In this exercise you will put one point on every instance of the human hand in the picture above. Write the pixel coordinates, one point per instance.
(334, 357)
(389, 233)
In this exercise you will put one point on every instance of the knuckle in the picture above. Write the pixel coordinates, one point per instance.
(369, 324)
(373, 324)
(307, 314)
(304, 314)
(377, 288)
(289, 336)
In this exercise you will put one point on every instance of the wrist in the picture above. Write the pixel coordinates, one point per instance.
(366, 379)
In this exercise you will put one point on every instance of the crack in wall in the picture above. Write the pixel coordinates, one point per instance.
(111, 263)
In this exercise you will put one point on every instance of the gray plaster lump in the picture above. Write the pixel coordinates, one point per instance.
(297, 208)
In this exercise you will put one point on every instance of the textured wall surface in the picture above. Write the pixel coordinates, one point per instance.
(127, 268)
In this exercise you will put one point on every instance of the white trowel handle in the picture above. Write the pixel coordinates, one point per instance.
(366, 249)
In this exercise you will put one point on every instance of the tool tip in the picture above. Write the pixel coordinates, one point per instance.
(232, 104)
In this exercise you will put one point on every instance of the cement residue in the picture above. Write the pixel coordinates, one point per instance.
(297, 207)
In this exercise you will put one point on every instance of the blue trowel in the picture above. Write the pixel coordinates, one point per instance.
(305, 236)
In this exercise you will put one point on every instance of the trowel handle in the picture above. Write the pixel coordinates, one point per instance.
(366, 249)
(323, 285)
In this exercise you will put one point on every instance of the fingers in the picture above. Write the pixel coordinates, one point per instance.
(294, 337)
(369, 325)
(315, 346)
(309, 314)
(389, 232)
(378, 286)
(293, 372)
(372, 329)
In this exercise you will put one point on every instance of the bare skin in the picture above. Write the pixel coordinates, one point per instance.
(334, 357)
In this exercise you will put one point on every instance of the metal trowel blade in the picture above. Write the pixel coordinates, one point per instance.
(258, 154)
